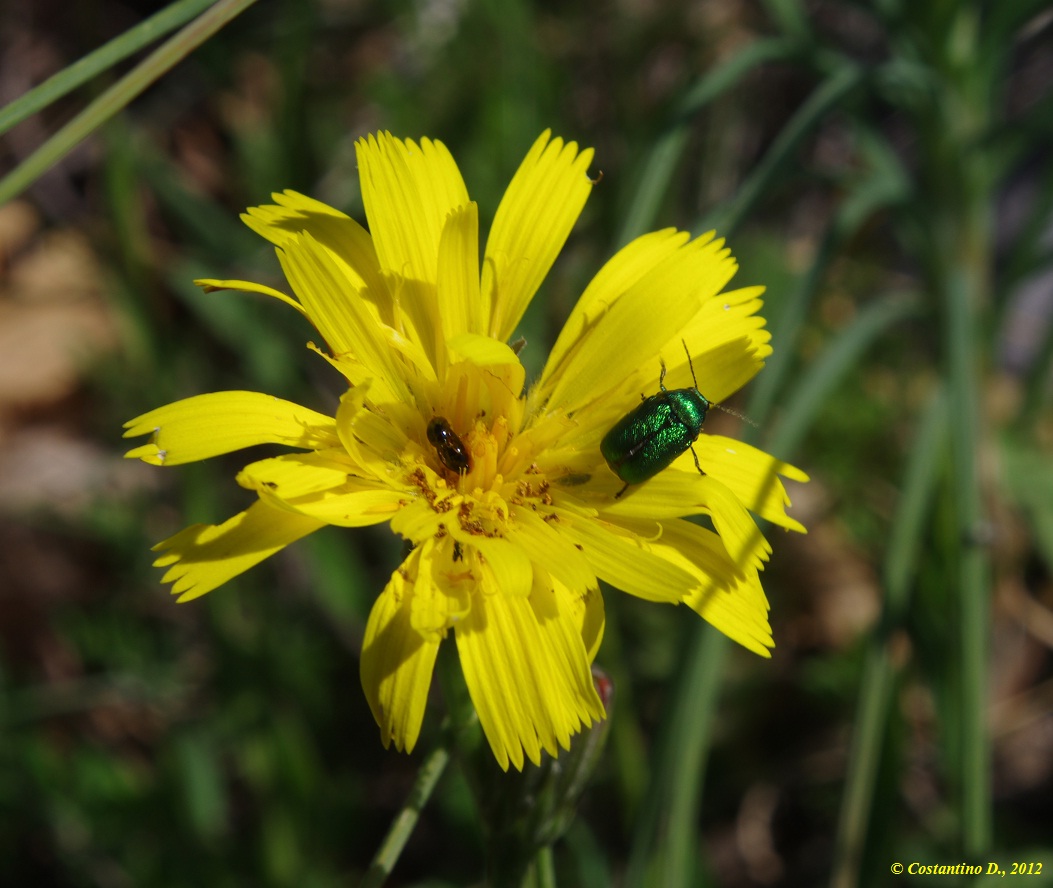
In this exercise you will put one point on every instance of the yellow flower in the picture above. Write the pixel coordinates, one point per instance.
(508, 553)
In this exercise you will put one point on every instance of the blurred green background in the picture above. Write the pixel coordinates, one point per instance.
(883, 168)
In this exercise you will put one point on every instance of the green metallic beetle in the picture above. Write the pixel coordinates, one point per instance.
(649, 437)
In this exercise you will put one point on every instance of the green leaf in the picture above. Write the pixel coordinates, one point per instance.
(119, 95)
(81, 71)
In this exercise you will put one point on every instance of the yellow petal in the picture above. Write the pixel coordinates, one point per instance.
(738, 531)
(536, 214)
(205, 556)
(416, 520)
(726, 368)
(437, 605)
(211, 285)
(680, 490)
(348, 243)
(721, 318)
(544, 544)
(293, 475)
(731, 599)
(461, 308)
(354, 506)
(221, 422)
(527, 672)
(567, 655)
(587, 609)
(752, 475)
(342, 316)
(408, 191)
(319, 485)
(669, 494)
(626, 339)
(624, 558)
(397, 660)
(507, 562)
(618, 275)
(728, 343)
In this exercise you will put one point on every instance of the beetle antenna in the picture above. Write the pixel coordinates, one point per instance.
(737, 415)
(689, 364)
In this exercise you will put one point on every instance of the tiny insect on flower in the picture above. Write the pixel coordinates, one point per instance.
(651, 436)
(448, 446)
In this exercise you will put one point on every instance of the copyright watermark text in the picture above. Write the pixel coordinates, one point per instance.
(991, 868)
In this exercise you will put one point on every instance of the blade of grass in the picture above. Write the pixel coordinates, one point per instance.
(965, 393)
(119, 95)
(879, 672)
(827, 96)
(82, 70)
(803, 406)
(885, 187)
(664, 839)
(789, 17)
(664, 158)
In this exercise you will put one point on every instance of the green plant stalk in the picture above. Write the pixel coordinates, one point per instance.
(961, 296)
(402, 827)
(963, 176)
(106, 56)
(705, 672)
(663, 847)
(627, 746)
(879, 671)
(119, 95)
(543, 870)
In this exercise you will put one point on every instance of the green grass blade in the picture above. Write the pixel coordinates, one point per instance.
(119, 95)
(823, 375)
(789, 17)
(664, 843)
(664, 158)
(886, 185)
(875, 691)
(827, 96)
(82, 70)
(973, 565)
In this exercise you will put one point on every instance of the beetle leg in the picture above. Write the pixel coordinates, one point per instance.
(661, 376)
(620, 492)
(695, 455)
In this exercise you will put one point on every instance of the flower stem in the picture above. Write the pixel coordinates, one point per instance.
(403, 824)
